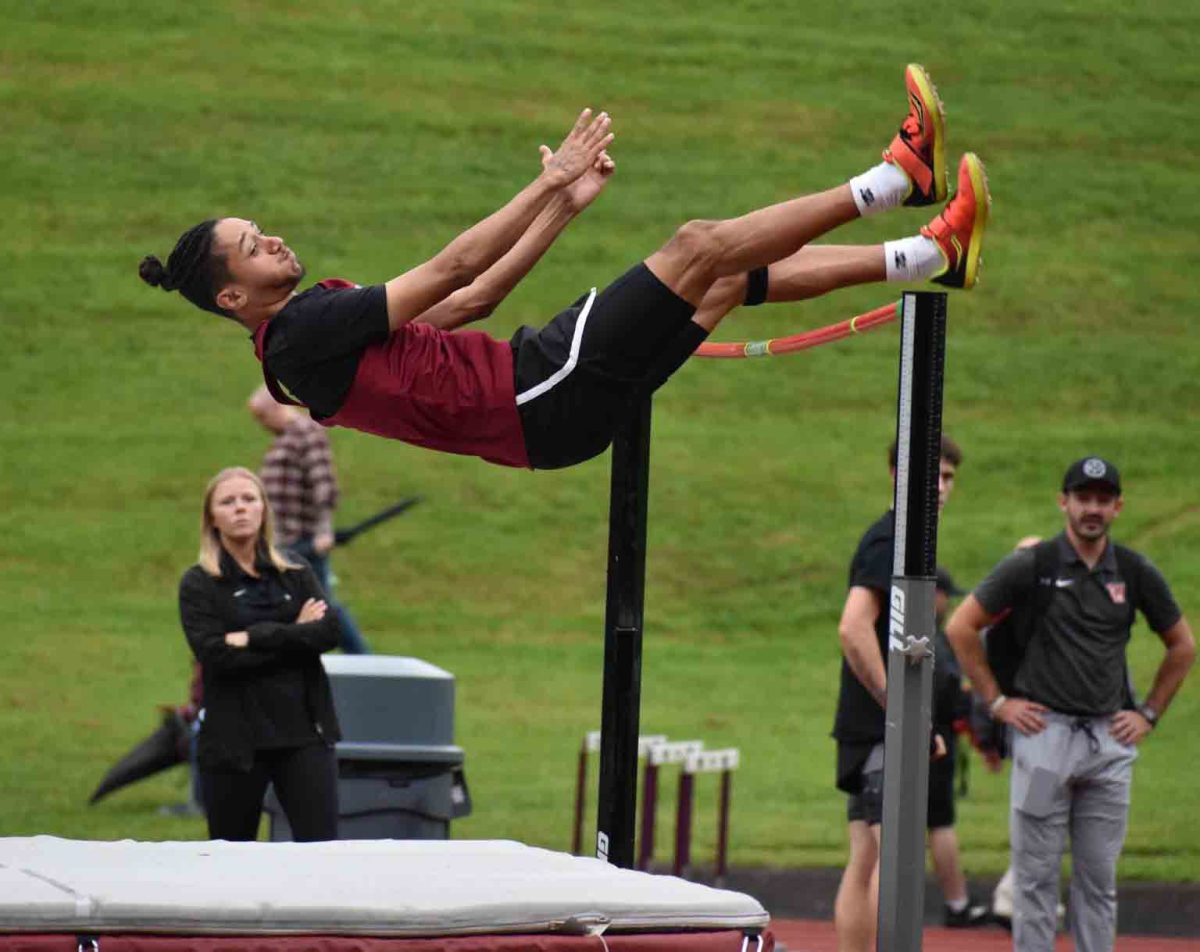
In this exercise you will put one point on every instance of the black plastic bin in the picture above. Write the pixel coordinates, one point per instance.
(400, 776)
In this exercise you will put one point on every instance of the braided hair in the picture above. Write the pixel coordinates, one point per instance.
(193, 269)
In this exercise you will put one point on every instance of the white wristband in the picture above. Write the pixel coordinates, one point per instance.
(995, 705)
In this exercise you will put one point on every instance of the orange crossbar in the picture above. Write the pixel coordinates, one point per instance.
(859, 324)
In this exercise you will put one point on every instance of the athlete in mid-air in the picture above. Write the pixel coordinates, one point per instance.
(389, 358)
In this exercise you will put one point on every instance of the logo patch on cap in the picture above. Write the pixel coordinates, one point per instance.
(1094, 468)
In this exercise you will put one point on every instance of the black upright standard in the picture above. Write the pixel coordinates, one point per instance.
(617, 798)
(911, 622)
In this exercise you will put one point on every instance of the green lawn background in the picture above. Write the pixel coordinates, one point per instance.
(369, 134)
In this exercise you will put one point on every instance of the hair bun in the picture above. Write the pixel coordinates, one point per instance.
(151, 271)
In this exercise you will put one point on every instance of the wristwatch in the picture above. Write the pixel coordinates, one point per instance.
(1149, 714)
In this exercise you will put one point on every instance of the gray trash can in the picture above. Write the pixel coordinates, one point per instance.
(400, 776)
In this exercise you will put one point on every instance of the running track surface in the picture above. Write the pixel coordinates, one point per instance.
(810, 935)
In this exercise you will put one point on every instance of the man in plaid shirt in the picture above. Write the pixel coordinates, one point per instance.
(302, 491)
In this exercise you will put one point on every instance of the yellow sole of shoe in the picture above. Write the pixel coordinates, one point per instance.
(983, 208)
(931, 103)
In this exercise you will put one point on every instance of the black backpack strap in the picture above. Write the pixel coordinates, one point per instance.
(1045, 566)
(1009, 636)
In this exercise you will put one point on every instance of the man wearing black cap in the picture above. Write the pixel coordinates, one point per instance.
(1075, 728)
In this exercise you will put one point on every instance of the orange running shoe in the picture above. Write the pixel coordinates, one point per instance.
(919, 148)
(958, 230)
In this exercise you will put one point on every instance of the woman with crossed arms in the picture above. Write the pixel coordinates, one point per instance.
(258, 623)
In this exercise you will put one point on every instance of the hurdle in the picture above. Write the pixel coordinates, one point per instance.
(658, 755)
(911, 622)
(591, 745)
(723, 762)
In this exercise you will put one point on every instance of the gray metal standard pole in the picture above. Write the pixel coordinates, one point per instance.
(617, 799)
(911, 624)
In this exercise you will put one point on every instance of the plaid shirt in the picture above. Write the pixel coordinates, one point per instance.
(301, 485)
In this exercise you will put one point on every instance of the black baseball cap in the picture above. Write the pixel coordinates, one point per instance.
(945, 583)
(1091, 469)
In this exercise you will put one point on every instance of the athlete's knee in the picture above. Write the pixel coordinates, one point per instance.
(696, 243)
(864, 851)
(722, 296)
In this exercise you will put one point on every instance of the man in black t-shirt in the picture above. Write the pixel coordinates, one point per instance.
(859, 731)
(1074, 737)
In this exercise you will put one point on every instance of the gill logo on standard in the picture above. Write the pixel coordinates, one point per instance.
(896, 620)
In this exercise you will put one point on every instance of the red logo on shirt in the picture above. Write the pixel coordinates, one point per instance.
(1116, 591)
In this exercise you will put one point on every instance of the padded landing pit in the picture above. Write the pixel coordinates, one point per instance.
(439, 896)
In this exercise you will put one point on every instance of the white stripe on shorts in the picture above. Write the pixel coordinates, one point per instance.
(572, 359)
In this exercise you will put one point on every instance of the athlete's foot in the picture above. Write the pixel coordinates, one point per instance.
(919, 148)
(958, 230)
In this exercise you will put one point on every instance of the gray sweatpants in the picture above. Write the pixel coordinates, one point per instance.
(1071, 779)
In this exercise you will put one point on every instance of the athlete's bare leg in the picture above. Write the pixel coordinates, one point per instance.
(943, 850)
(950, 245)
(703, 251)
(707, 262)
(810, 272)
(913, 173)
(856, 907)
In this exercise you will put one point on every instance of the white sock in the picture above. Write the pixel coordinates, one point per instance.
(912, 259)
(879, 189)
(958, 905)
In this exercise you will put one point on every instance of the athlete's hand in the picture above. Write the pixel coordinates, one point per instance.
(579, 150)
(312, 610)
(1129, 727)
(1025, 716)
(237, 639)
(583, 191)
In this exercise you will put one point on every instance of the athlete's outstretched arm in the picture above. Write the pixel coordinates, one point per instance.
(479, 247)
(483, 295)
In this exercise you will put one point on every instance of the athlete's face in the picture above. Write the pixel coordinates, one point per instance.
(236, 509)
(1090, 510)
(263, 268)
(946, 474)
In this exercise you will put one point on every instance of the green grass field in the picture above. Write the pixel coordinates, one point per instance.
(369, 134)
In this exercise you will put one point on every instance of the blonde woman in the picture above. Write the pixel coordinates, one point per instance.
(258, 622)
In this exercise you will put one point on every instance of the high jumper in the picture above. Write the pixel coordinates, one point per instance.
(390, 359)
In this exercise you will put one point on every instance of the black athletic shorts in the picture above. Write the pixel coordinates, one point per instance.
(861, 781)
(941, 784)
(576, 376)
(867, 802)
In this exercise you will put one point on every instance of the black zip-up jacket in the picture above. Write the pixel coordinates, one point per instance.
(207, 611)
